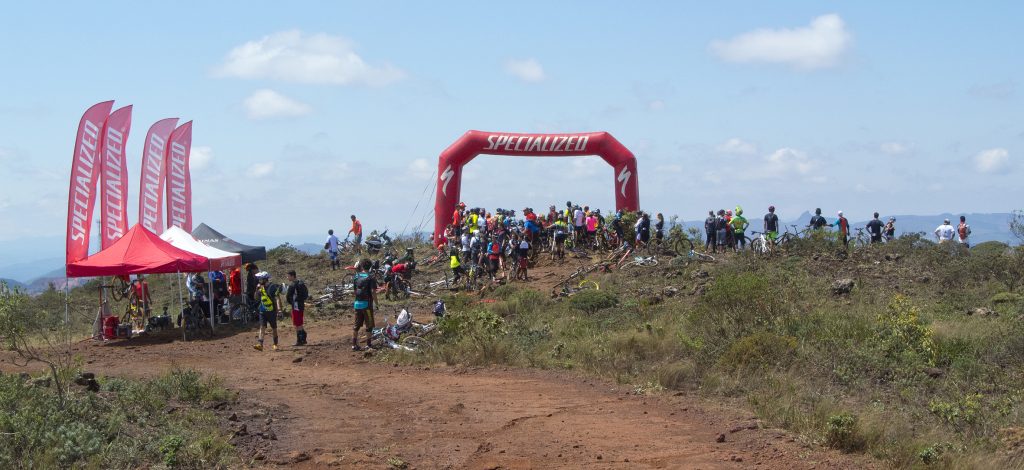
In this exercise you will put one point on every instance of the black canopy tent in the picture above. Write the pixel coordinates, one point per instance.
(218, 240)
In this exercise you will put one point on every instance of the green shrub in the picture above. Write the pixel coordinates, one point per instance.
(842, 432)
(128, 427)
(591, 301)
(902, 331)
(1006, 298)
(758, 351)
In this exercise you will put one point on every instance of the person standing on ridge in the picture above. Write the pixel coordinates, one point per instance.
(844, 228)
(963, 231)
(771, 225)
(332, 249)
(365, 290)
(890, 229)
(357, 232)
(875, 229)
(817, 221)
(296, 297)
(659, 227)
(709, 232)
(739, 228)
(944, 233)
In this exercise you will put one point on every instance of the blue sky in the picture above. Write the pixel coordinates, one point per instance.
(307, 112)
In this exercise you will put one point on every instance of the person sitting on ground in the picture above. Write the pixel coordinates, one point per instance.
(365, 289)
(963, 231)
(739, 228)
(817, 221)
(944, 233)
(331, 245)
(771, 225)
(269, 305)
(890, 229)
(844, 228)
(875, 227)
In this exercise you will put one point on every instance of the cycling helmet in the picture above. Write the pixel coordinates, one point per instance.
(771, 208)
(263, 275)
(597, 211)
(408, 250)
(728, 213)
(739, 210)
(892, 219)
(840, 213)
(462, 205)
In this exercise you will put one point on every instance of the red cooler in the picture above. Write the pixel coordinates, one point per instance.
(110, 327)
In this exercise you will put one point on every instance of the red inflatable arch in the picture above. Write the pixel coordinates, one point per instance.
(473, 143)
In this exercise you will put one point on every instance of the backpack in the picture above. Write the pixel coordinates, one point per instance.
(301, 292)
(266, 303)
(362, 287)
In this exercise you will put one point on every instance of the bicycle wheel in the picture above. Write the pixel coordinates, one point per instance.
(758, 246)
(682, 246)
(415, 343)
(588, 284)
(647, 261)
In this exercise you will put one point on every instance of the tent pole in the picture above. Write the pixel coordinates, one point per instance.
(213, 311)
(181, 310)
(67, 302)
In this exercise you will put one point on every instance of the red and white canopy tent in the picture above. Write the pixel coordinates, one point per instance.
(139, 251)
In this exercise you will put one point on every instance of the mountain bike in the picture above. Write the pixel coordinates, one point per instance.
(860, 240)
(684, 247)
(570, 288)
(642, 261)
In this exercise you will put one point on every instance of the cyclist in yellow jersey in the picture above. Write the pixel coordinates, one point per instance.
(739, 227)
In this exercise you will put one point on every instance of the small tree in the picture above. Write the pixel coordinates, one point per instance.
(1017, 225)
(36, 338)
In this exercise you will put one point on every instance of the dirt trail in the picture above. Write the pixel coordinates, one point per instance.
(324, 405)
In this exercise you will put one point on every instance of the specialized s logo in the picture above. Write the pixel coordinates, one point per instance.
(623, 178)
(446, 176)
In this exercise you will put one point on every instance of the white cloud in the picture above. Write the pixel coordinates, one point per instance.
(421, 169)
(791, 159)
(894, 148)
(293, 56)
(527, 70)
(992, 160)
(736, 146)
(818, 45)
(200, 158)
(268, 103)
(259, 170)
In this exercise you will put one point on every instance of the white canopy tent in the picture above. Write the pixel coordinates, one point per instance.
(219, 259)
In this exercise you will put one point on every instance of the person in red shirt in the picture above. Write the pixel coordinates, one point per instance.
(357, 232)
(235, 282)
(142, 295)
(457, 219)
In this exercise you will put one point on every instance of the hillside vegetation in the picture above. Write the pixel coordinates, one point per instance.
(921, 363)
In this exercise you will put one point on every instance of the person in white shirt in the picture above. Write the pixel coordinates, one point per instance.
(944, 233)
(332, 248)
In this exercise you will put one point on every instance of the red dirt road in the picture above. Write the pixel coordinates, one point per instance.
(325, 406)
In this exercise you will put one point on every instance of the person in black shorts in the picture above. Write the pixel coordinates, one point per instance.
(875, 227)
(709, 232)
(268, 298)
(365, 287)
